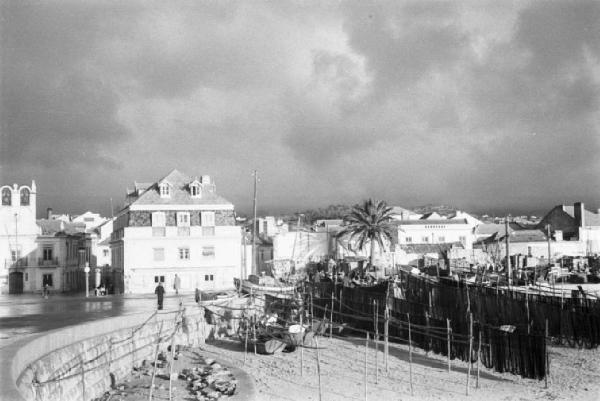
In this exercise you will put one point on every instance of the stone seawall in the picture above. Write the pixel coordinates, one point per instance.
(82, 362)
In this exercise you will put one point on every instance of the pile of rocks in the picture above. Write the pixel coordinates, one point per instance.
(210, 381)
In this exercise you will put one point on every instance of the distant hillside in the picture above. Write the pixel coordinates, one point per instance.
(442, 210)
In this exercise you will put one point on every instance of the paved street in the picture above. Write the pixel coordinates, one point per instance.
(29, 314)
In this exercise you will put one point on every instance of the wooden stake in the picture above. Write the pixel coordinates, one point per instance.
(527, 307)
(302, 345)
(410, 355)
(254, 332)
(82, 377)
(448, 337)
(172, 362)
(386, 335)
(246, 339)
(155, 357)
(427, 334)
(470, 349)
(547, 360)
(366, 356)
(331, 318)
(478, 357)
(318, 365)
(376, 338)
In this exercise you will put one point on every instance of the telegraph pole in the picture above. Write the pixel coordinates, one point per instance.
(254, 255)
(508, 267)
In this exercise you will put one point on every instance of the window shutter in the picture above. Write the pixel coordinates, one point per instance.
(183, 219)
(158, 219)
(208, 219)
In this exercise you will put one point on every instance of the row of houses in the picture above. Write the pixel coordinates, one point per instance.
(179, 226)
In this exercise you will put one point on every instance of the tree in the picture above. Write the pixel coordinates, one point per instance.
(370, 222)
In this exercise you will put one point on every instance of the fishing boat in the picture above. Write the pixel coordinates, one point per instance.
(251, 287)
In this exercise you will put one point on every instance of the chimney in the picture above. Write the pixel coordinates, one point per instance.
(579, 214)
(49, 213)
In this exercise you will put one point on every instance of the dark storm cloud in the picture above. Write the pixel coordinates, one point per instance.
(55, 109)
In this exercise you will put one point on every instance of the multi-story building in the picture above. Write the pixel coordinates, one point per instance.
(176, 225)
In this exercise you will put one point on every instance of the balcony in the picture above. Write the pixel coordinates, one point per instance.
(47, 262)
(21, 262)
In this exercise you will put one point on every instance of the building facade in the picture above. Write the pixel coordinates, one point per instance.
(176, 226)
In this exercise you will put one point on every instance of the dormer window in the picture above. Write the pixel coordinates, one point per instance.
(195, 189)
(24, 197)
(6, 197)
(165, 190)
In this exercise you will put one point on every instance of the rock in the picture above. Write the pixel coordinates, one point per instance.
(209, 361)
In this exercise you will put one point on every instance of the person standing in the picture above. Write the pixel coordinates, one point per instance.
(197, 295)
(176, 284)
(160, 293)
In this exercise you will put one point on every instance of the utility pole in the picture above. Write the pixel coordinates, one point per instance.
(254, 233)
(549, 248)
(508, 267)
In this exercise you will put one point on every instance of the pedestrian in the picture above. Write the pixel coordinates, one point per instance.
(46, 291)
(197, 295)
(160, 292)
(176, 284)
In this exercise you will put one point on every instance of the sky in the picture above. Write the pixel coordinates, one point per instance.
(486, 106)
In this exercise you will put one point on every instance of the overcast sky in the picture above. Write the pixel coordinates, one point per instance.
(489, 106)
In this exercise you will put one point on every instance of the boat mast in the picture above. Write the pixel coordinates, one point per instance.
(254, 255)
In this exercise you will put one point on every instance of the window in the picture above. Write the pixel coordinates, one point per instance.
(157, 278)
(208, 219)
(159, 254)
(183, 219)
(209, 277)
(47, 253)
(208, 231)
(15, 254)
(158, 219)
(462, 239)
(105, 253)
(441, 239)
(183, 231)
(408, 240)
(47, 279)
(6, 197)
(425, 239)
(164, 190)
(26, 276)
(195, 189)
(24, 197)
(158, 231)
(208, 252)
(184, 253)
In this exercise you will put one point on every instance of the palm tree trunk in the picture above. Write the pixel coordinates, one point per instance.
(372, 252)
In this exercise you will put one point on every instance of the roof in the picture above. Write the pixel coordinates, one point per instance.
(591, 218)
(180, 194)
(492, 228)
(430, 222)
(400, 210)
(105, 242)
(53, 227)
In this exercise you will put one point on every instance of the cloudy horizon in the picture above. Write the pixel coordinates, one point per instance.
(487, 106)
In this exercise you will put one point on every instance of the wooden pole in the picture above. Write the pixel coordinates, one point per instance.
(82, 377)
(155, 357)
(470, 349)
(331, 317)
(427, 334)
(366, 357)
(172, 362)
(318, 366)
(527, 307)
(478, 357)
(386, 335)
(410, 355)
(254, 332)
(302, 345)
(547, 360)
(448, 337)
(376, 338)
(246, 340)
(312, 311)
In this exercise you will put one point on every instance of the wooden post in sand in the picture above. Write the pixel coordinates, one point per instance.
(366, 357)
(331, 317)
(254, 332)
(478, 357)
(155, 358)
(547, 361)
(318, 365)
(386, 336)
(448, 329)
(302, 345)
(470, 350)
(410, 354)
(246, 340)
(376, 338)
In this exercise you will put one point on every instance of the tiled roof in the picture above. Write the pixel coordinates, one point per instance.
(430, 222)
(491, 228)
(180, 193)
(53, 227)
(591, 219)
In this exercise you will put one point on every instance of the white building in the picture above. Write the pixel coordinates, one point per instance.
(90, 219)
(18, 233)
(177, 225)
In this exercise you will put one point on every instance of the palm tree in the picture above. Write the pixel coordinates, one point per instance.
(372, 222)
